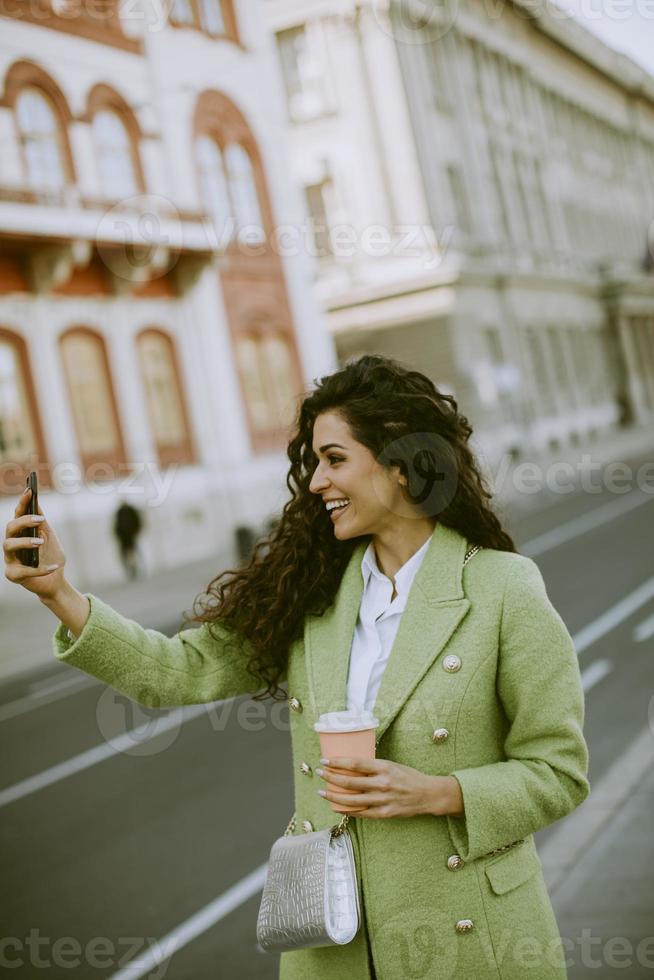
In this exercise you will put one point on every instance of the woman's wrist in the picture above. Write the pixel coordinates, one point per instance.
(70, 606)
(445, 797)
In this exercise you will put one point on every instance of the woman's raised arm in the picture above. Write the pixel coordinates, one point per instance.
(192, 667)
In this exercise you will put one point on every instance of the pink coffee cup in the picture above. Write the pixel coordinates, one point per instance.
(346, 734)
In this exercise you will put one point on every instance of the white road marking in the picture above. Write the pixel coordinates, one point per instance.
(595, 673)
(644, 630)
(586, 522)
(614, 616)
(40, 688)
(187, 931)
(46, 695)
(600, 813)
(100, 752)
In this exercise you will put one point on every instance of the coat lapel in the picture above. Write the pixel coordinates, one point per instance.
(435, 606)
(328, 639)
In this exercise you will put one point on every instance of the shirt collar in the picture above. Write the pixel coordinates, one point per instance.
(404, 575)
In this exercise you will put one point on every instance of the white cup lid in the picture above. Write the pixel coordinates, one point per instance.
(352, 720)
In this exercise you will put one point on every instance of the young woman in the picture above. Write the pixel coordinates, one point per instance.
(389, 584)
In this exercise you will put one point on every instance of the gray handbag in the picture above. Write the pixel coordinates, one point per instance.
(311, 896)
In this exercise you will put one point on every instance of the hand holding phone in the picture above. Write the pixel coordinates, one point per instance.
(41, 574)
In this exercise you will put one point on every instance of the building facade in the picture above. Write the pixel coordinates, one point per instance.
(519, 150)
(153, 338)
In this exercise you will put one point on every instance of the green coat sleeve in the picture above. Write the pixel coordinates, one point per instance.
(538, 682)
(192, 667)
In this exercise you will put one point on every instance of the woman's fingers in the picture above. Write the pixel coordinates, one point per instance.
(13, 544)
(18, 525)
(16, 572)
(21, 506)
(350, 782)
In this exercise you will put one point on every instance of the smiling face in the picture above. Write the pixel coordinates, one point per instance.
(348, 470)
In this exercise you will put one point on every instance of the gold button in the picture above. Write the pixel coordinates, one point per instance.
(307, 826)
(464, 925)
(454, 862)
(305, 768)
(440, 734)
(452, 663)
(295, 704)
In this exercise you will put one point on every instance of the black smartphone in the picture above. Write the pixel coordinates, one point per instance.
(30, 556)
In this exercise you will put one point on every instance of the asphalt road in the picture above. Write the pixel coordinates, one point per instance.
(124, 851)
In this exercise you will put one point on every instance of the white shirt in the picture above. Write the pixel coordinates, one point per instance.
(377, 625)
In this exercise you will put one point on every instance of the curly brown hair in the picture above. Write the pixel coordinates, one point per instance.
(295, 570)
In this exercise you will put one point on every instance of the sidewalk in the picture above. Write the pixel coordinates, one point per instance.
(598, 868)
(159, 601)
(630, 446)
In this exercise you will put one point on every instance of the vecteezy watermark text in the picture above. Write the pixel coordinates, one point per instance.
(562, 476)
(137, 478)
(68, 953)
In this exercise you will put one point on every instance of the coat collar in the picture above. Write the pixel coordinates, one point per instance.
(435, 606)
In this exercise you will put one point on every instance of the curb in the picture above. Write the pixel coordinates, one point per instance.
(568, 847)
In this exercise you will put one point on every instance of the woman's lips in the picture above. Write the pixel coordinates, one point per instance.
(336, 513)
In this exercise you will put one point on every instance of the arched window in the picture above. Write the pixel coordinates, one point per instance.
(243, 189)
(41, 139)
(228, 188)
(213, 185)
(277, 358)
(164, 397)
(211, 15)
(215, 17)
(267, 376)
(19, 426)
(247, 352)
(113, 151)
(92, 400)
(181, 11)
(259, 316)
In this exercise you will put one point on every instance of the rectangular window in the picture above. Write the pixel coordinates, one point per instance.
(460, 199)
(537, 346)
(319, 197)
(17, 436)
(181, 11)
(564, 379)
(438, 74)
(505, 374)
(501, 192)
(526, 229)
(212, 16)
(304, 73)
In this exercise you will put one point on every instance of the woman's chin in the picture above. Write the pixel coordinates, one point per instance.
(342, 529)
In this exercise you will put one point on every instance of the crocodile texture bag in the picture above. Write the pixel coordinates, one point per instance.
(310, 897)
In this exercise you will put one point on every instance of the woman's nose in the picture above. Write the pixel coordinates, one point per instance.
(318, 482)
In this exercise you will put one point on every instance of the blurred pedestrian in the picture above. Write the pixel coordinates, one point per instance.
(245, 538)
(127, 526)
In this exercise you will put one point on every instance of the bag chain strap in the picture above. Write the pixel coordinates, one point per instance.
(339, 828)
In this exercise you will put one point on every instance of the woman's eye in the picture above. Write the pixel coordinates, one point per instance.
(338, 459)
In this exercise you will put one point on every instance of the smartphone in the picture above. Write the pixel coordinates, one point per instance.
(30, 556)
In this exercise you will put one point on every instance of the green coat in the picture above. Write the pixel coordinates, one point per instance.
(512, 710)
